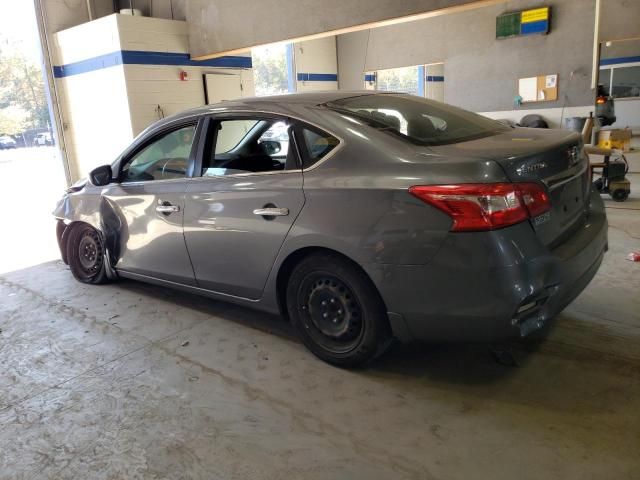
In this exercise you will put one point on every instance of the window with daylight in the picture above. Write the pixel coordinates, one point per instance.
(272, 69)
(405, 79)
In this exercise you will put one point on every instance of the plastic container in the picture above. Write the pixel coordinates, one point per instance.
(575, 123)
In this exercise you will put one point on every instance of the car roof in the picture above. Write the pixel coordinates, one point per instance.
(276, 103)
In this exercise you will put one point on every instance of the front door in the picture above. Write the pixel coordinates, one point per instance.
(149, 203)
(240, 209)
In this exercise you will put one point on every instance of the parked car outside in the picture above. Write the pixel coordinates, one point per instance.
(391, 216)
(42, 139)
(7, 142)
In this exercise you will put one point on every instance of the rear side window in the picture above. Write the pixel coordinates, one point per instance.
(418, 120)
(251, 145)
(316, 145)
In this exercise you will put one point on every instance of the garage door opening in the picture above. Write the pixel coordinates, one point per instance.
(32, 176)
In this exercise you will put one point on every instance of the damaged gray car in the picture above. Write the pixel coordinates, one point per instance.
(372, 217)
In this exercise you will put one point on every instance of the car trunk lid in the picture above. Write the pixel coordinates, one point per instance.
(555, 158)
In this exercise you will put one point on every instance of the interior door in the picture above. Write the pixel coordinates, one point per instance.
(222, 86)
(149, 204)
(238, 213)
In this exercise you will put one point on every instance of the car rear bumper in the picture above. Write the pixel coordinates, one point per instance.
(491, 286)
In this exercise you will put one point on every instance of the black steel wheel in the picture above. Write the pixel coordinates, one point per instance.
(620, 195)
(599, 184)
(337, 310)
(86, 255)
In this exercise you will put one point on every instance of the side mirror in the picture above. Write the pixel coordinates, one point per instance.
(101, 176)
(271, 147)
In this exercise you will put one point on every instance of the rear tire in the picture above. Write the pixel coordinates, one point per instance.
(86, 255)
(337, 311)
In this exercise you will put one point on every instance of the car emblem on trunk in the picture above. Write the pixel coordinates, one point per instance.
(574, 155)
(534, 167)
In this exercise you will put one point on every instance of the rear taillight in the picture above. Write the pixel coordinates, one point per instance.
(485, 206)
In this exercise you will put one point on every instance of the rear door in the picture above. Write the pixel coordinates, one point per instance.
(242, 202)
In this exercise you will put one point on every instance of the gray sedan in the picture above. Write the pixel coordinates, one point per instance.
(384, 216)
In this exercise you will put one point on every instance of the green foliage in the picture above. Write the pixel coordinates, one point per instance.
(270, 70)
(22, 96)
(13, 120)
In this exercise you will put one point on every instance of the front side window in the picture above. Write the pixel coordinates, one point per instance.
(421, 121)
(249, 146)
(164, 159)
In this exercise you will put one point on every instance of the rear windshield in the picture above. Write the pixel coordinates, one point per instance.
(421, 121)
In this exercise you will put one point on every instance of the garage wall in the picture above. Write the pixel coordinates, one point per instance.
(112, 74)
(150, 86)
(481, 72)
(316, 65)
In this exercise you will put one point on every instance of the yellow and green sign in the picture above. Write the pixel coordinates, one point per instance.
(526, 22)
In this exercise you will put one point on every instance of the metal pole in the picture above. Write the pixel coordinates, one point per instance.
(50, 90)
(596, 49)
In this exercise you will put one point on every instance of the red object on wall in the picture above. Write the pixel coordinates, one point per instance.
(184, 76)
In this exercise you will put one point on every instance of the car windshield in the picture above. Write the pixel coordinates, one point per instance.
(421, 121)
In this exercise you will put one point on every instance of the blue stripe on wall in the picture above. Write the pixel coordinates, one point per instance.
(88, 65)
(317, 77)
(435, 78)
(370, 78)
(134, 57)
(613, 61)
(541, 26)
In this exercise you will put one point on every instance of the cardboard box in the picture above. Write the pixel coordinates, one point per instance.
(618, 138)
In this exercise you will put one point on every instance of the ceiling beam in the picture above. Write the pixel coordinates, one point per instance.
(228, 27)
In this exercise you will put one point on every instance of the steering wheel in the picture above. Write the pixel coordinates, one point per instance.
(166, 170)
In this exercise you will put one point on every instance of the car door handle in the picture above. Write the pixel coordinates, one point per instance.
(271, 212)
(167, 208)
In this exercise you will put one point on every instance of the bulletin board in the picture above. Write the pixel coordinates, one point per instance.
(542, 88)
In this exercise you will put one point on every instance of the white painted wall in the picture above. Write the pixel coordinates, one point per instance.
(316, 56)
(434, 90)
(627, 113)
(152, 34)
(150, 86)
(94, 107)
(96, 120)
(87, 40)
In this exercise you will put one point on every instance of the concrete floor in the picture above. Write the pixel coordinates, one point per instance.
(135, 381)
